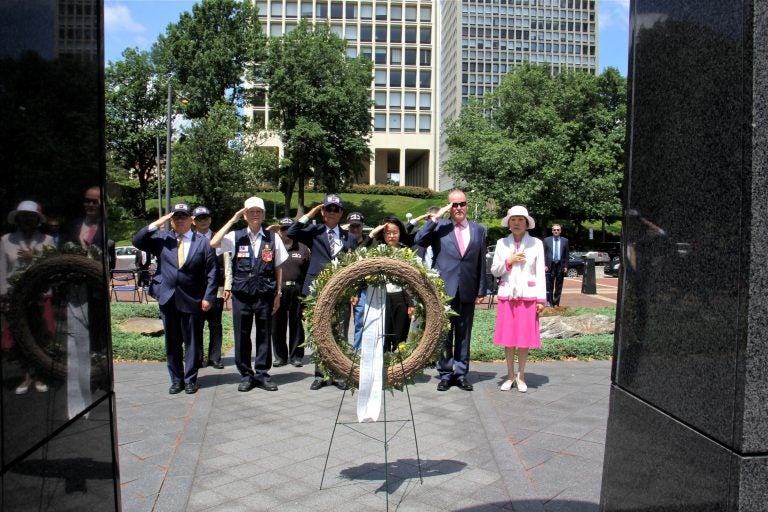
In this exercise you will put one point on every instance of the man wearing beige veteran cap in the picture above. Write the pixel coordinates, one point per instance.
(254, 281)
(184, 285)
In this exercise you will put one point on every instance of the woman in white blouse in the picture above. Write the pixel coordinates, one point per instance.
(518, 262)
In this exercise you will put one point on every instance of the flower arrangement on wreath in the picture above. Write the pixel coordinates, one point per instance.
(379, 278)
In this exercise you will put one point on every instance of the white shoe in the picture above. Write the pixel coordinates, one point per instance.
(508, 384)
(22, 388)
(521, 385)
(42, 387)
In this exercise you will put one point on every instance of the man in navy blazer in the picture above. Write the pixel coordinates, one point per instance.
(556, 254)
(326, 242)
(458, 249)
(184, 286)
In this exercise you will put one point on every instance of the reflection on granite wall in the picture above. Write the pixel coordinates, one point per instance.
(688, 426)
(57, 429)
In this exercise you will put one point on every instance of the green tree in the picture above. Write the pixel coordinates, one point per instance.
(206, 52)
(319, 102)
(555, 142)
(135, 117)
(208, 161)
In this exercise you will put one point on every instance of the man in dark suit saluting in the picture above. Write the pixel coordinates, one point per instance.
(326, 242)
(184, 286)
(556, 254)
(458, 251)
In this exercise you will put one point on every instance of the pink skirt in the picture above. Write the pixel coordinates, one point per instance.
(517, 324)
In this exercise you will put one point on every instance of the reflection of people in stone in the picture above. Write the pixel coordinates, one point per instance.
(87, 230)
(399, 309)
(17, 252)
(518, 262)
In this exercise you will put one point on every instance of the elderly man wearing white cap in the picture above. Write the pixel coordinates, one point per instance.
(255, 287)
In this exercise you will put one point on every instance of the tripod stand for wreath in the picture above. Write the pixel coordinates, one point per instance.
(370, 376)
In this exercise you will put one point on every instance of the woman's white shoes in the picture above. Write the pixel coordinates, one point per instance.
(507, 385)
(521, 386)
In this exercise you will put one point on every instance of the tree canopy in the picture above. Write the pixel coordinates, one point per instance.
(552, 143)
(319, 102)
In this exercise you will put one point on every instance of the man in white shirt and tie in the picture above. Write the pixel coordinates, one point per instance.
(556, 254)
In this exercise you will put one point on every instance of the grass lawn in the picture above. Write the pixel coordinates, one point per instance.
(135, 347)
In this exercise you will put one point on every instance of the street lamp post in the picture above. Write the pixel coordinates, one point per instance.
(159, 188)
(169, 130)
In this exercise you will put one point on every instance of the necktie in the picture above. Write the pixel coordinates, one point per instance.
(332, 241)
(556, 250)
(460, 239)
(180, 251)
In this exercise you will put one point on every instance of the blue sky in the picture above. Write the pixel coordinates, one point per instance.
(130, 23)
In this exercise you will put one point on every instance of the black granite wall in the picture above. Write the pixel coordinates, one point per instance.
(57, 430)
(688, 424)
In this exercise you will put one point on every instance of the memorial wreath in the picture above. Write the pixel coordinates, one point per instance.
(341, 280)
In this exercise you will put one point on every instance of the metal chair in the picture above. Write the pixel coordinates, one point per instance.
(123, 282)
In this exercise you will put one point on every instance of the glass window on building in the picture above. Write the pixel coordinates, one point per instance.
(259, 119)
(394, 122)
(426, 13)
(276, 30)
(351, 52)
(425, 57)
(410, 78)
(351, 11)
(380, 122)
(367, 52)
(291, 10)
(290, 27)
(381, 34)
(425, 76)
(410, 13)
(381, 55)
(396, 13)
(381, 12)
(262, 7)
(410, 34)
(321, 10)
(380, 77)
(395, 77)
(410, 56)
(410, 101)
(277, 9)
(395, 34)
(337, 10)
(425, 100)
(395, 99)
(425, 35)
(395, 56)
(410, 122)
(306, 9)
(338, 30)
(366, 33)
(366, 12)
(351, 33)
(259, 98)
(380, 99)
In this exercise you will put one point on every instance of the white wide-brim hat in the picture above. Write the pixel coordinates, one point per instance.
(26, 206)
(518, 211)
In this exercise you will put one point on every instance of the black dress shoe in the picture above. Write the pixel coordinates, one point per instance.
(267, 385)
(318, 383)
(204, 363)
(277, 363)
(297, 362)
(443, 385)
(245, 385)
(176, 387)
(341, 384)
(464, 384)
(218, 365)
(191, 388)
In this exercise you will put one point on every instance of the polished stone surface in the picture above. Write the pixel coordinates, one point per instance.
(688, 427)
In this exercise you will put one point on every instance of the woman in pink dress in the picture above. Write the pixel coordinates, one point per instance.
(518, 262)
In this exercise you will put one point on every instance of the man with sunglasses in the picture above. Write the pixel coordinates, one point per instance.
(458, 248)
(326, 242)
(556, 254)
(184, 285)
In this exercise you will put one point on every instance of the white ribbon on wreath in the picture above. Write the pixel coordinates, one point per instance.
(372, 356)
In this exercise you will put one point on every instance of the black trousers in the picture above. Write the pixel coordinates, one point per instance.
(215, 330)
(183, 343)
(454, 356)
(397, 321)
(286, 323)
(246, 315)
(555, 283)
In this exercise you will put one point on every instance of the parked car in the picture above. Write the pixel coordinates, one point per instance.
(598, 256)
(613, 267)
(576, 266)
(126, 257)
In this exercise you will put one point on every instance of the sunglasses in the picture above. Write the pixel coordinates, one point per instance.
(90, 201)
(180, 217)
(332, 209)
(459, 205)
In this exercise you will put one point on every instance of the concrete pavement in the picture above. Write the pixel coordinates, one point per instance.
(485, 450)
